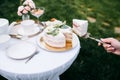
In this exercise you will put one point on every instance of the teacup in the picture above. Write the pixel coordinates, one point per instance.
(28, 25)
(4, 23)
(80, 27)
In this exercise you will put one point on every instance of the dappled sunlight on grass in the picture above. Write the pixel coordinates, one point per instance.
(91, 19)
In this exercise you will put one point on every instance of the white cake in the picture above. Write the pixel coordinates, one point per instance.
(80, 27)
(57, 40)
(58, 36)
(67, 33)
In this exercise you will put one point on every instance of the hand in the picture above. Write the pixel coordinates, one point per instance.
(111, 45)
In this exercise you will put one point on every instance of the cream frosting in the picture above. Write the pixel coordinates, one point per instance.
(55, 41)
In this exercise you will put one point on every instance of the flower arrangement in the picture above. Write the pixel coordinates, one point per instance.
(26, 7)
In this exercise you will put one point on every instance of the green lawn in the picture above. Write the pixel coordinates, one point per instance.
(93, 62)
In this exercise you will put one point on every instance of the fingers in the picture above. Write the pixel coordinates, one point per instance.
(111, 45)
(111, 49)
(99, 44)
(108, 40)
(106, 45)
(108, 48)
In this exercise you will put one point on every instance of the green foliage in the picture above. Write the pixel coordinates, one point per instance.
(93, 62)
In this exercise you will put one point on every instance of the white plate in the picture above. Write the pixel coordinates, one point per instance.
(21, 50)
(17, 29)
(4, 38)
(43, 45)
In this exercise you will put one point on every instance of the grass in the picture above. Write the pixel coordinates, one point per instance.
(93, 62)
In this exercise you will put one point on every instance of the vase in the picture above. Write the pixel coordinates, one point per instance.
(25, 17)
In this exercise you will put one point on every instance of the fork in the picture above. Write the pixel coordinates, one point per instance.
(29, 58)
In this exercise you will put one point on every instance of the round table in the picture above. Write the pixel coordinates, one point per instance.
(47, 65)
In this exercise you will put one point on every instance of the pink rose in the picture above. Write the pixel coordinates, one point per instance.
(20, 8)
(25, 11)
(27, 8)
(19, 13)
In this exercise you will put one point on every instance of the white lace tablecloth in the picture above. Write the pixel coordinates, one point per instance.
(44, 66)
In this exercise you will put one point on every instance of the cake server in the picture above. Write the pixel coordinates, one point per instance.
(87, 35)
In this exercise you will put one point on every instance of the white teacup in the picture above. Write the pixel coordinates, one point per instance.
(28, 25)
(4, 23)
(80, 26)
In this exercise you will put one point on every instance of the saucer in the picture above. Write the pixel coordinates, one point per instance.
(28, 32)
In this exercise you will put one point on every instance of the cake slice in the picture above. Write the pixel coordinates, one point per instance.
(80, 27)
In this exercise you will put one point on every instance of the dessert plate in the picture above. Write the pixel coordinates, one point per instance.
(69, 45)
(21, 50)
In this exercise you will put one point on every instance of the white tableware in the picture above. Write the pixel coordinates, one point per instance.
(21, 50)
(4, 26)
(35, 29)
(4, 38)
(17, 29)
(43, 45)
(27, 25)
(37, 12)
(80, 27)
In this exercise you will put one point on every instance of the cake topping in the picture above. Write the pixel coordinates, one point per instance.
(53, 31)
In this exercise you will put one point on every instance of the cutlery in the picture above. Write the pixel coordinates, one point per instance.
(87, 35)
(29, 58)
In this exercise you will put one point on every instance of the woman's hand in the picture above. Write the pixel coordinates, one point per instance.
(111, 45)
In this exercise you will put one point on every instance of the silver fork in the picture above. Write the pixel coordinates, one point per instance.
(29, 58)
